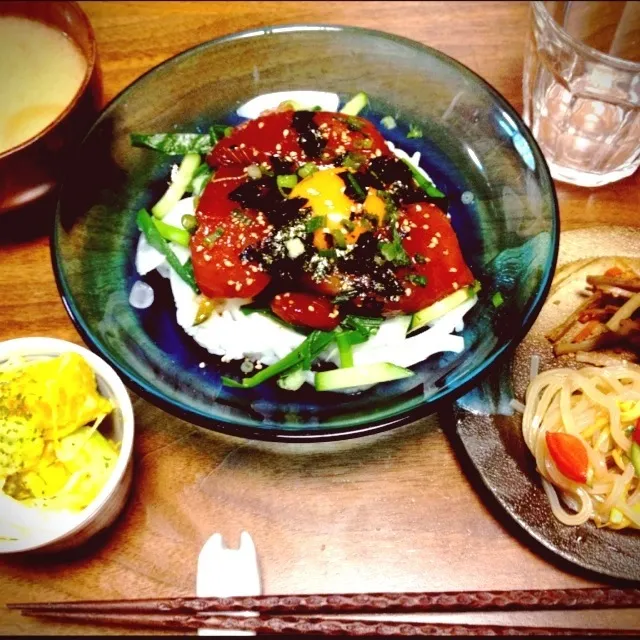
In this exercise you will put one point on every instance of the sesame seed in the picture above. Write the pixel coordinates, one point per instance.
(228, 263)
(425, 226)
(378, 153)
(445, 252)
(285, 133)
(438, 234)
(286, 295)
(230, 283)
(456, 286)
(207, 257)
(278, 147)
(311, 308)
(278, 297)
(242, 145)
(407, 291)
(260, 125)
(249, 281)
(418, 207)
(238, 286)
(453, 270)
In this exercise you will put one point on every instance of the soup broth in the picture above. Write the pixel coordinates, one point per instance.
(41, 70)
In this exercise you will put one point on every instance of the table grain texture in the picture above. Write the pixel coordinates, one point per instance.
(395, 512)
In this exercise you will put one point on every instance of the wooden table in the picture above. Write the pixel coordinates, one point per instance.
(389, 513)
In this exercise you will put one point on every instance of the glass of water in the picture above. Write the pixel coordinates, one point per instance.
(581, 88)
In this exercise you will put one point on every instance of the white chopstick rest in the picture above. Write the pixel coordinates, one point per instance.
(224, 573)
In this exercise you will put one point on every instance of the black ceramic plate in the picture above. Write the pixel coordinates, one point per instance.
(489, 431)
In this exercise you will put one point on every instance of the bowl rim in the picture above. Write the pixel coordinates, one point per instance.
(278, 434)
(92, 61)
(45, 346)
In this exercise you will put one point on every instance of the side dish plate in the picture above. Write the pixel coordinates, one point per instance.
(489, 430)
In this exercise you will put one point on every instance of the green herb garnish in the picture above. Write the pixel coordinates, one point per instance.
(428, 187)
(174, 144)
(388, 122)
(414, 131)
(356, 187)
(307, 169)
(212, 238)
(314, 223)
(415, 278)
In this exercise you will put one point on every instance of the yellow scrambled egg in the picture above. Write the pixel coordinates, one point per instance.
(51, 453)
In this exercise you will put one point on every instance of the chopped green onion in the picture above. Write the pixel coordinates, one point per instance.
(353, 123)
(219, 131)
(345, 350)
(292, 380)
(423, 183)
(388, 122)
(476, 286)
(212, 238)
(356, 187)
(497, 299)
(172, 234)
(310, 349)
(415, 278)
(314, 223)
(178, 185)
(189, 222)
(348, 224)
(286, 182)
(152, 234)
(356, 104)
(414, 131)
(353, 160)
(339, 238)
(307, 169)
(200, 179)
(363, 325)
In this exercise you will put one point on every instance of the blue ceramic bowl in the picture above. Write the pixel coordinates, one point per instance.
(475, 147)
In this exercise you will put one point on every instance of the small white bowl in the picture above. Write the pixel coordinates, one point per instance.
(119, 426)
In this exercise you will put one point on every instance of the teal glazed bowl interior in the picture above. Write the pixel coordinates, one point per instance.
(475, 147)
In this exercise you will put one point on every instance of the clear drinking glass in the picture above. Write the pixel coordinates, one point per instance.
(581, 88)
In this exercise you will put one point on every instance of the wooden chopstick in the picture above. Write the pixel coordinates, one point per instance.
(295, 625)
(427, 602)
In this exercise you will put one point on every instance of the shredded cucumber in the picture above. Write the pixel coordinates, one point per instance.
(356, 104)
(178, 185)
(438, 309)
(359, 376)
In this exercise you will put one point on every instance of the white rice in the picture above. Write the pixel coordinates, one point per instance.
(231, 334)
